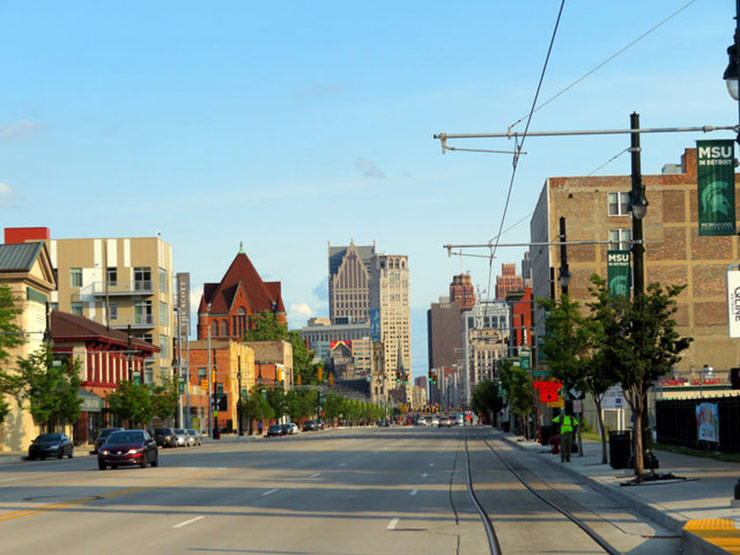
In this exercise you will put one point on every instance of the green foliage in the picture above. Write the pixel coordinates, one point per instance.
(256, 407)
(132, 402)
(49, 386)
(518, 386)
(333, 405)
(164, 398)
(275, 396)
(11, 336)
(300, 404)
(486, 398)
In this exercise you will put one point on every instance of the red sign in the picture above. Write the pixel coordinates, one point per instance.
(548, 395)
(334, 344)
(548, 384)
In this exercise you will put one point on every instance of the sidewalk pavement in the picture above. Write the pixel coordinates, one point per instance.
(698, 506)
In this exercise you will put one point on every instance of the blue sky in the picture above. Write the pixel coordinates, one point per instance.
(286, 125)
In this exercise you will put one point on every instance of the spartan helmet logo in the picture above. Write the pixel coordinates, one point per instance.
(618, 286)
(714, 199)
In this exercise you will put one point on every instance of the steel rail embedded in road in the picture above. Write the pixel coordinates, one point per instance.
(578, 522)
(490, 533)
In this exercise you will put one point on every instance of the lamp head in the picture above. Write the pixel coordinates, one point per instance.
(731, 73)
(564, 276)
(638, 203)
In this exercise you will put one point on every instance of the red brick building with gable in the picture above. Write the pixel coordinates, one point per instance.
(227, 307)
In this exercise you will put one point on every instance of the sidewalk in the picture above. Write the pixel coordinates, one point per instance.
(698, 506)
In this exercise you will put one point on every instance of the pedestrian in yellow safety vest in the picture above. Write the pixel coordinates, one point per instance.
(568, 424)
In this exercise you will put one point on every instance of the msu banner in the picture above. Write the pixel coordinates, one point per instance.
(715, 169)
(618, 273)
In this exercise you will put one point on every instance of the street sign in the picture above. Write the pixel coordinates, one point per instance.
(575, 393)
(548, 384)
(540, 373)
(559, 404)
(578, 406)
(181, 387)
(548, 395)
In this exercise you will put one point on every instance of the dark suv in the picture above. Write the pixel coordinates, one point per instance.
(165, 437)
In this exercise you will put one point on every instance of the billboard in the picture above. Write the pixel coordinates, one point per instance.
(707, 422)
(715, 173)
(183, 302)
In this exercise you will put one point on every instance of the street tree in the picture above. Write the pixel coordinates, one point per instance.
(486, 400)
(11, 336)
(300, 404)
(572, 347)
(275, 396)
(50, 386)
(164, 398)
(333, 405)
(131, 402)
(256, 407)
(519, 390)
(640, 344)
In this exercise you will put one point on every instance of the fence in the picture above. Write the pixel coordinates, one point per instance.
(677, 424)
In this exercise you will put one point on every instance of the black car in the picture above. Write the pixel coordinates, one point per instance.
(276, 430)
(165, 437)
(51, 445)
(104, 433)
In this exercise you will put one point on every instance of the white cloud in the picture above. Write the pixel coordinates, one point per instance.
(300, 310)
(8, 197)
(369, 169)
(19, 130)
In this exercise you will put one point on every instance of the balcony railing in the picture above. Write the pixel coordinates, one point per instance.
(139, 321)
(122, 288)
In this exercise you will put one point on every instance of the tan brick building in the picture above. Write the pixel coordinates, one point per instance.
(595, 209)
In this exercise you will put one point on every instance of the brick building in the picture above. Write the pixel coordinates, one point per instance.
(462, 291)
(595, 209)
(508, 281)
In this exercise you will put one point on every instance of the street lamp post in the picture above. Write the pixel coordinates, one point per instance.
(210, 373)
(732, 73)
(564, 273)
(239, 398)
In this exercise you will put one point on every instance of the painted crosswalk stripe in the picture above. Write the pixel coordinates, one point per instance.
(270, 492)
(414, 491)
(392, 524)
(196, 519)
(316, 475)
(425, 475)
(342, 464)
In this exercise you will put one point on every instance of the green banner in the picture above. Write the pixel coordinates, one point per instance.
(618, 273)
(715, 170)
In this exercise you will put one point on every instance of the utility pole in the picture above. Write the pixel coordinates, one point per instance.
(239, 393)
(564, 273)
(210, 374)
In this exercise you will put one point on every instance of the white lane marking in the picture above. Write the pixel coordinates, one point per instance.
(425, 475)
(196, 519)
(392, 524)
(431, 464)
(316, 475)
(7, 479)
(414, 491)
(270, 492)
(342, 464)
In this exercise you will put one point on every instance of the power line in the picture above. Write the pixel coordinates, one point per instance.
(610, 160)
(609, 59)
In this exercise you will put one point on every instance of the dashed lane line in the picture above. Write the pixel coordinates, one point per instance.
(196, 519)
(392, 524)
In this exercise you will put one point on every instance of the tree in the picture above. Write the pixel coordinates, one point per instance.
(333, 405)
(164, 398)
(11, 336)
(276, 398)
(256, 407)
(132, 402)
(486, 400)
(50, 386)
(299, 404)
(519, 390)
(640, 344)
(572, 347)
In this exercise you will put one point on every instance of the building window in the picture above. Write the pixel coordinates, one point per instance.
(113, 310)
(162, 280)
(214, 328)
(163, 313)
(225, 327)
(143, 313)
(112, 277)
(164, 346)
(75, 277)
(77, 309)
(143, 279)
(618, 204)
(202, 374)
(619, 239)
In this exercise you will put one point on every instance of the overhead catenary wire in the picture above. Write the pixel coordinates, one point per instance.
(609, 59)
(520, 145)
(610, 160)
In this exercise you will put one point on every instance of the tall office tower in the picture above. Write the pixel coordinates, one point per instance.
(389, 310)
(443, 333)
(349, 283)
(120, 283)
(508, 281)
(527, 270)
(462, 291)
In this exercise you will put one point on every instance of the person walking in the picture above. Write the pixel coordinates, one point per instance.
(568, 424)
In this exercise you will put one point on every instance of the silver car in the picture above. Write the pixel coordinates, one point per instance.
(194, 436)
(182, 438)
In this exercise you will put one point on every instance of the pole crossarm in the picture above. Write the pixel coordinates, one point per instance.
(543, 244)
(512, 135)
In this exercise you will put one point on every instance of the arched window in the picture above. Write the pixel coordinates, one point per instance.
(214, 328)
(225, 327)
(242, 318)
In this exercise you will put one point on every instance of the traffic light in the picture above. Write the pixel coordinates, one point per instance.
(298, 379)
(320, 374)
(398, 376)
(331, 379)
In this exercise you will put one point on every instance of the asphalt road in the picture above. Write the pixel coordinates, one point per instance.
(362, 491)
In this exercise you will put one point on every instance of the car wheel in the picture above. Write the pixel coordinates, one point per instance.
(101, 465)
(71, 453)
(143, 462)
(155, 462)
(61, 453)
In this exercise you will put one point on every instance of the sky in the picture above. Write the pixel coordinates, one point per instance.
(289, 125)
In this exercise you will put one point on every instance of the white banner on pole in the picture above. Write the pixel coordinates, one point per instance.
(733, 303)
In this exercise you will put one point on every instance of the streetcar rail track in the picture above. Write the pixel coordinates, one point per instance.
(491, 533)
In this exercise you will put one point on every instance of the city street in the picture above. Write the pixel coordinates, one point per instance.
(391, 490)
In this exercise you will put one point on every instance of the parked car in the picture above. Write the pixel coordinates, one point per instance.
(165, 437)
(445, 421)
(313, 425)
(434, 421)
(275, 430)
(383, 423)
(290, 428)
(195, 437)
(51, 445)
(182, 438)
(104, 433)
(128, 447)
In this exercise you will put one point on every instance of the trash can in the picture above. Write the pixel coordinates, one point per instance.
(620, 449)
(545, 435)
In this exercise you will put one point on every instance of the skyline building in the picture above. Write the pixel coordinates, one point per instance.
(349, 283)
(508, 282)
(462, 291)
(443, 333)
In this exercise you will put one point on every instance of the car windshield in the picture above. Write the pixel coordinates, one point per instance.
(48, 437)
(125, 437)
(180, 431)
(191, 432)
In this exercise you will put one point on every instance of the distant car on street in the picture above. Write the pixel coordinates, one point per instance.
(275, 430)
(445, 421)
(182, 438)
(195, 437)
(51, 445)
(434, 421)
(165, 437)
(290, 429)
(383, 423)
(128, 447)
(104, 433)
